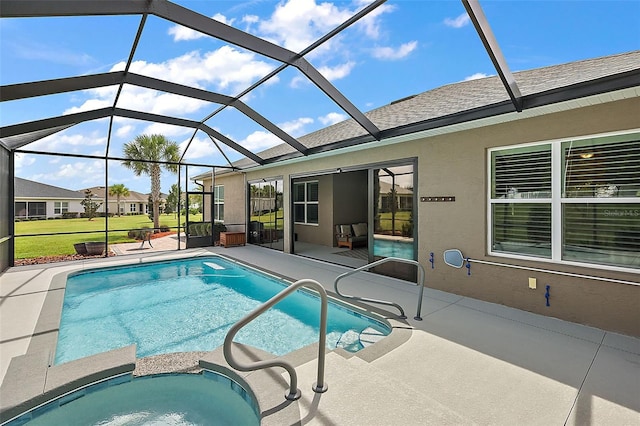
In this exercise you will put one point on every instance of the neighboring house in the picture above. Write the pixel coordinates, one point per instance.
(41, 201)
(548, 199)
(134, 203)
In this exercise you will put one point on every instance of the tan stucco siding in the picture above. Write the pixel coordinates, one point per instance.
(456, 164)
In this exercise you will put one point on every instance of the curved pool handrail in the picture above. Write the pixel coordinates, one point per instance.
(384, 302)
(294, 392)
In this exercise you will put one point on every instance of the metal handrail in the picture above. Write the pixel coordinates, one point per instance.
(294, 393)
(384, 302)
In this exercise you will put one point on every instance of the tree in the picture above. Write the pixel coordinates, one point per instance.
(144, 156)
(172, 199)
(119, 190)
(90, 206)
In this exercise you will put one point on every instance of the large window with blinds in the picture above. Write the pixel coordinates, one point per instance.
(573, 201)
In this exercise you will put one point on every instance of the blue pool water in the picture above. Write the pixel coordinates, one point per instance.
(176, 399)
(393, 248)
(189, 305)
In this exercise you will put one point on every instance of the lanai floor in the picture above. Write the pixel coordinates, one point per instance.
(467, 362)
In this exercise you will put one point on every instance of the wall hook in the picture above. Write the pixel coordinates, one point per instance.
(468, 266)
(431, 260)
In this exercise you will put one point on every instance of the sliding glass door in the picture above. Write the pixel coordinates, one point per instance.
(266, 215)
(393, 219)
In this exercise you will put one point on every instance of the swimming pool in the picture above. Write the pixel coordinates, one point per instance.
(189, 305)
(393, 248)
(168, 399)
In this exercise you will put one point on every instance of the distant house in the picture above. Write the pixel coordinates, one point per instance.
(134, 203)
(41, 201)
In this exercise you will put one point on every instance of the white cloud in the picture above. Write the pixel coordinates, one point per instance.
(225, 69)
(89, 105)
(167, 130)
(198, 148)
(259, 141)
(250, 19)
(125, 131)
(78, 174)
(332, 118)
(181, 33)
(295, 24)
(296, 127)
(23, 160)
(458, 22)
(476, 76)
(371, 22)
(391, 54)
(66, 141)
(337, 72)
(298, 81)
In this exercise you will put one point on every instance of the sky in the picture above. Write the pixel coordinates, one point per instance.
(400, 49)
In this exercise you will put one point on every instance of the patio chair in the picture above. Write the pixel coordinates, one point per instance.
(352, 235)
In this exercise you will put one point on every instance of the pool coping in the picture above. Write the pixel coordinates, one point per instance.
(32, 379)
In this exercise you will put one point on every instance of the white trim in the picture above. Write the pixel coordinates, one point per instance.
(556, 201)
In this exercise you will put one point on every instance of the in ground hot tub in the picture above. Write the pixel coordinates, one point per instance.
(167, 399)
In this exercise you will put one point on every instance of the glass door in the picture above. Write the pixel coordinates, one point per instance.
(266, 214)
(393, 219)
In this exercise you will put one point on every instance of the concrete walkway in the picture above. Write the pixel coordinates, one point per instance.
(467, 362)
(169, 242)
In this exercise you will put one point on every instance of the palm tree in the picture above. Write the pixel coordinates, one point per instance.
(119, 190)
(144, 155)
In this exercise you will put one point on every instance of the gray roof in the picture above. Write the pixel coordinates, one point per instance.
(29, 189)
(415, 113)
(134, 196)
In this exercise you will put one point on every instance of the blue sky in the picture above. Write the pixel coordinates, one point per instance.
(402, 48)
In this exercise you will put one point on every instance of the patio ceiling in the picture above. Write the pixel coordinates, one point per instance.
(19, 136)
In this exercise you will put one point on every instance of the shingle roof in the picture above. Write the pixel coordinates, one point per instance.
(462, 97)
(100, 192)
(29, 189)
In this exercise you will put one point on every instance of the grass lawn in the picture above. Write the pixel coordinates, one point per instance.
(269, 218)
(51, 245)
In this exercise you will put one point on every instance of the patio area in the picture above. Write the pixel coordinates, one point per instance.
(467, 362)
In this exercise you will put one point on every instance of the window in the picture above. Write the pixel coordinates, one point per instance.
(132, 208)
(218, 203)
(576, 200)
(21, 209)
(60, 207)
(305, 202)
(37, 209)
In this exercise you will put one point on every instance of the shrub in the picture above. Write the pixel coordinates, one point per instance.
(165, 228)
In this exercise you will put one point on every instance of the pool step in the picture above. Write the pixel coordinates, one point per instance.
(353, 341)
(349, 340)
(369, 336)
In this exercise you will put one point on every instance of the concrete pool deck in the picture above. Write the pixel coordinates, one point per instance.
(467, 362)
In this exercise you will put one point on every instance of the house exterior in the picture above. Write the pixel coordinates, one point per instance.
(545, 202)
(134, 203)
(34, 200)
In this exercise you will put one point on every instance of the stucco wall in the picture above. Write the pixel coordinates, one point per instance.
(235, 203)
(350, 198)
(455, 164)
(322, 233)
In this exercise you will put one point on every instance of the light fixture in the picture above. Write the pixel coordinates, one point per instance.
(586, 155)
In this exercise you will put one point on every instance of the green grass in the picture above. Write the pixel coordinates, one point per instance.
(269, 218)
(52, 245)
